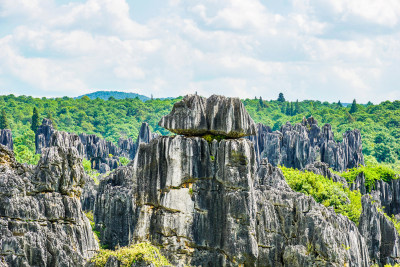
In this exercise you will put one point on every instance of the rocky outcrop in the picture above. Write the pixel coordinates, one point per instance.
(89, 192)
(128, 147)
(103, 154)
(43, 135)
(321, 168)
(209, 205)
(302, 144)
(6, 138)
(217, 115)
(380, 234)
(41, 220)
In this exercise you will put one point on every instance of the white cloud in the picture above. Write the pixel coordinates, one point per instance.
(233, 47)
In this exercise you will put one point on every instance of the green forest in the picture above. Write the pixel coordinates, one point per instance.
(115, 118)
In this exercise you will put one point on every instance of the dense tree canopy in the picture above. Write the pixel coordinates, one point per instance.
(112, 119)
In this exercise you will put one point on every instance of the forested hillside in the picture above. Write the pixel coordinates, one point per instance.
(112, 119)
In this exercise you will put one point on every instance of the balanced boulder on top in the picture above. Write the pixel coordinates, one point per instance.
(217, 115)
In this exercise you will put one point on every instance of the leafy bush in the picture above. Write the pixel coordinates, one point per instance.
(87, 166)
(210, 137)
(326, 192)
(124, 161)
(142, 252)
(373, 172)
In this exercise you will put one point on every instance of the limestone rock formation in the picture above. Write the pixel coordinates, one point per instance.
(381, 236)
(217, 115)
(301, 144)
(129, 148)
(103, 154)
(321, 168)
(43, 135)
(209, 205)
(41, 220)
(89, 192)
(6, 138)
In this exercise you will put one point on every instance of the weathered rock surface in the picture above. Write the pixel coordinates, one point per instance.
(128, 147)
(322, 168)
(381, 236)
(103, 154)
(218, 115)
(208, 205)
(299, 145)
(41, 220)
(6, 138)
(89, 192)
(43, 135)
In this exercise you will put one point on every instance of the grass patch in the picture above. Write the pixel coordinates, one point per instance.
(326, 192)
(142, 252)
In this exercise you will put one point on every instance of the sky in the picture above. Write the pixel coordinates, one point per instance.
(326, 50)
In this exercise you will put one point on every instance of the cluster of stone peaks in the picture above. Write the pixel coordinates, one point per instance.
(217, 115)
(218, 203)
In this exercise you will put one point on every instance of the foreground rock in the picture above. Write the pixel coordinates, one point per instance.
(299, 145)
(381, 236)
(41, 220)
(217, 115)
(208, 205)
(6, 138)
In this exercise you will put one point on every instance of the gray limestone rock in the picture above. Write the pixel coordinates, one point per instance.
(129, 147)
(322, 168)
(208, 205)
(302, 144)
(6, 138)
(41, 220)
(43, 135)
(218, 115)
(381, 236)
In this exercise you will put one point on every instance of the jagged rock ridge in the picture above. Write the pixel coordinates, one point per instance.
(301, 144)
(103, 154)
(217, 115)
(41, 220)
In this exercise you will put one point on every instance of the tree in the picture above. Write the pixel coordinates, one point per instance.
(288, 108)
(3, 121)
(339, 104)
(354, 107)
(281, 98)
(261, 102)
(35, 120)
(297, 108)
(291, 109)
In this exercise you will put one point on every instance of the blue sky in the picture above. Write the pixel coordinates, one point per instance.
(321, 49)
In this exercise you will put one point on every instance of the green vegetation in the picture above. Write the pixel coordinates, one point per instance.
(112, 119)
(210, 137)
(124, 161)
(3, 121)
(94, 174)
(373, 171)
(35, 120)
(326, 192)
(142, 252)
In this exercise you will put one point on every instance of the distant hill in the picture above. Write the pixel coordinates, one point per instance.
(117, 95)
